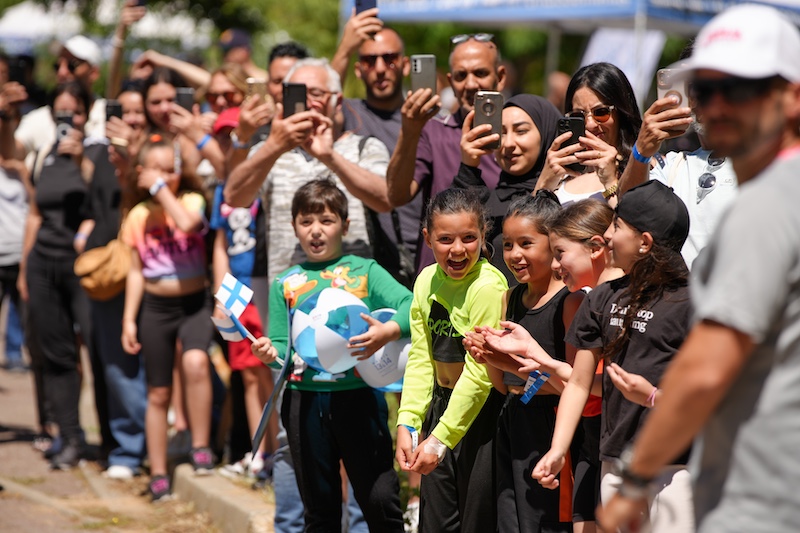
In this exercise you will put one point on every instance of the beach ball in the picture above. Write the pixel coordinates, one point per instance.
(322, 326)
(384, 369)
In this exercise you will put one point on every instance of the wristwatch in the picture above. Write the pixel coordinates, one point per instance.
(237, 144)
(633, 486)
(155, 187)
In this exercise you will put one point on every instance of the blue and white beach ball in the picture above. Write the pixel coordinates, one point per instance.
(322, 326)
(384, 369)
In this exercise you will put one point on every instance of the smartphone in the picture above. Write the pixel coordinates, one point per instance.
(363, 5)
(113, 109)
(667, 85)
(16, 70)
(257, 86)
(577, 125)
(294, 98)
(63, 124)
(423, 72)
(184, 97)
(489, 110)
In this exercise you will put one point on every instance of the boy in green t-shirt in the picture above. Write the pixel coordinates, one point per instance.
(333, 417)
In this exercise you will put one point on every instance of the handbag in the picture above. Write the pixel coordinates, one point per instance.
(103, 270)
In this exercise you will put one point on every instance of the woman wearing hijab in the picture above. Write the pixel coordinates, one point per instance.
(530, 125)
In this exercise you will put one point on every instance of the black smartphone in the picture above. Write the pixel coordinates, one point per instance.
(113, 109)
(294, 98)
(63, 124)
(16, 70)
(363, 5)
(423, 72)
(577, 125)
(184, 97)
(489, 110)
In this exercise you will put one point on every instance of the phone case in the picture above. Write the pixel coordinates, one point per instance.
(363, 5)
(113, 109)
(423, 72)
(577, 125)
(184, 97)
(489, 110)
(294, 98)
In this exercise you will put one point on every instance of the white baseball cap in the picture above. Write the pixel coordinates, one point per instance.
(749, 41)
(84, 48)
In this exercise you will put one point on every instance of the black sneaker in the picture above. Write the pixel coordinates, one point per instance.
(202, 461)
(160, 489)
(68, 458)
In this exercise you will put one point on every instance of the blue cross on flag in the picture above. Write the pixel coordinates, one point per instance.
(233, 295)
(231, 328)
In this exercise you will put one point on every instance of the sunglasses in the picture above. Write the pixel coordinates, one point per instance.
(734, 90)
(229, 96)
(72, 64)
(390, 59)
(707, 181)
(464, 37)
(599, 114)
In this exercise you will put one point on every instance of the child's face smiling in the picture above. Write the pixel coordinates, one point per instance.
(456, 242)
(320, 234)
(572, 261)
(625, 243)
(525, 250)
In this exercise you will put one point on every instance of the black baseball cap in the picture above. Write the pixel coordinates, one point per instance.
(653, 207)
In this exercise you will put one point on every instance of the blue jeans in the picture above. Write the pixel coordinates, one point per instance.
(14, 335)
(124, 373)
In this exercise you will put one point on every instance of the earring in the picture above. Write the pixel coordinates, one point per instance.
(641, 250)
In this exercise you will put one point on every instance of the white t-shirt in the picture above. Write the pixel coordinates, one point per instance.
(682, 172)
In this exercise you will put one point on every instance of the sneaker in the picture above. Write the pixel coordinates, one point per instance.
(119, 472)
(68, 458)
(179, 445)
(202, 461)
(55, 448)
(238, 469)
(42, 442)
(160, 489)
(411, 517)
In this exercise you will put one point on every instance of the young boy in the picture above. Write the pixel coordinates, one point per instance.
(330, 418)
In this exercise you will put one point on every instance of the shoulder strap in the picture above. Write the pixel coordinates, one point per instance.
(673, 172)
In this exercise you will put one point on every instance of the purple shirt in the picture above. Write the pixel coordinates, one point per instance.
(438, 159)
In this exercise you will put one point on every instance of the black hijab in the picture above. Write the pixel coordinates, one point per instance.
(545, 116)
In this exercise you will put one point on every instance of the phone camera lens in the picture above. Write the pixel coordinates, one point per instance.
(488, 108)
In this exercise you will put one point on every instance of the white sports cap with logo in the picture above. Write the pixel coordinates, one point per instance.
(85, 49)
(749, 41)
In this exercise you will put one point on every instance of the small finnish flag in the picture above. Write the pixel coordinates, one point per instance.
(231, 328)
(233, 295)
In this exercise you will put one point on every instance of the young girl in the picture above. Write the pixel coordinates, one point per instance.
(638, 322)
(544, 307)
(166, 290)
(446, 394)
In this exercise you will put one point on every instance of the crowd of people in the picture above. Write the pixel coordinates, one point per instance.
(578, 309)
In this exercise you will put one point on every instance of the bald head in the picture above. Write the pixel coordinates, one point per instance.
(475, 66)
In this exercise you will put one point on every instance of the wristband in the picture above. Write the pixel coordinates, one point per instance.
(414, 437)
(203, 141)
(535, 381)
(239, 144)
(157, 186)
(639, 157)
(651, 400)
(80, 237)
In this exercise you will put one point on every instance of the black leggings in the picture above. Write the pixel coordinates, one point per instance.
(459, 495)
(56, 303)
(165, 320)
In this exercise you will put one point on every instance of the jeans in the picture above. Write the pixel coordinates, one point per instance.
(124, 373)
(14, 333)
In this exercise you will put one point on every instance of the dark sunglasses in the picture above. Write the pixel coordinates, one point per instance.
(229, 96)
(390, 59)
(464, 37)
(734, 90)
(599, 114)
(72, 64)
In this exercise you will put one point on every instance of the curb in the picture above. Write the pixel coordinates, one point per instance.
(233, 509)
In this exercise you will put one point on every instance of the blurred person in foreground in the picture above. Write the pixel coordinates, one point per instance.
(733, 382)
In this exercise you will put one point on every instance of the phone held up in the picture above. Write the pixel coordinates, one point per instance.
(576, 125)
(294, 98)
(113, 109)
(184, 97)
(668, 85)
(423, 72)
(489, 110)
(257, 86)
(363, 5)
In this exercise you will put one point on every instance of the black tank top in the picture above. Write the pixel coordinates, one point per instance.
(545, 324)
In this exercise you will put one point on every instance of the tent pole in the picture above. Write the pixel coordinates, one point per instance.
(640, 29)
(553, 52)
